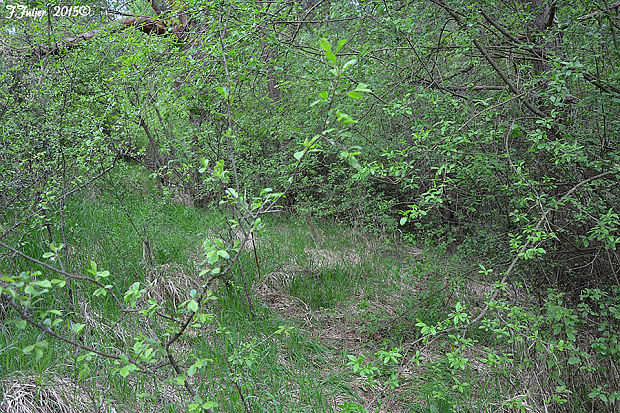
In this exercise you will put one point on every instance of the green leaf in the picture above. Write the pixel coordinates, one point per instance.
(192, 305)
(224, 254)
(348, 64)
(43, 283)
(355, 95)
(222, 91)
(212, 258)
(299, 155)
(48, 255)
(313, 140)
(354, 163)
(332, 57)
(340, 44)
(363, 87)
(325, 45)
(232, 192)
(100, 291)
(403, 220)
(125, 371)
(210, 295)
(324, 95)
(76, 328)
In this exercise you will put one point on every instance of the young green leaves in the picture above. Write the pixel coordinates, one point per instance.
(332, 59)
(327, 49)
(356, 93)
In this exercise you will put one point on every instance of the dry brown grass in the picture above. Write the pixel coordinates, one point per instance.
(324, 258)
(4, 308)
(181, 197)
(36, 394)
(31, 393)
(272, 291)
(170, 283)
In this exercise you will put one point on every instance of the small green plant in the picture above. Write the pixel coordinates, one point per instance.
(351, 407)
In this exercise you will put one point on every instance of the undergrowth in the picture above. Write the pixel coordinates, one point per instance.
(331, 319)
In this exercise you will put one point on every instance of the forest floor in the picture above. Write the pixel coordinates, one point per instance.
(325, 322)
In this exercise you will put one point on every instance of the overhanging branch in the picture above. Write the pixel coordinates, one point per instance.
(145, 24)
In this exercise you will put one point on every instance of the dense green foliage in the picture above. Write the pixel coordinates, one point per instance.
(145, 152)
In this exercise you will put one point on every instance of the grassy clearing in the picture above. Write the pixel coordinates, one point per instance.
(328, 305)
